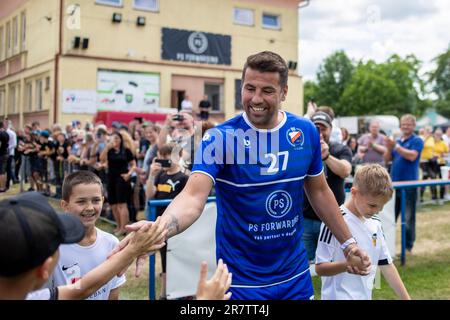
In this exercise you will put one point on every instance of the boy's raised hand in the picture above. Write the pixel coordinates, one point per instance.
(216, 287)
(149, 238)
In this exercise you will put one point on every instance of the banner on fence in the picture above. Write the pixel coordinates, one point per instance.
(187, 250)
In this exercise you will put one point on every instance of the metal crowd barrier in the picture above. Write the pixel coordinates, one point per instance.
(402, 185)
(150, 214)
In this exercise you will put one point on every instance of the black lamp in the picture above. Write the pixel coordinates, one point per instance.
(116, 17)
(140, 21)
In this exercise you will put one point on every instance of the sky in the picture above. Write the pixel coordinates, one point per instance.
(372, 29)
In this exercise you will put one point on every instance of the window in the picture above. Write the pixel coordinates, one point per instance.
(47, 83)
(12, 99)
(23, 19)
(149, 5)
(29, 96)
(237, 94)
(15, 34)
(243, 16)
(215, 95)
(2, 102)
(271, 21)
(8, 40)
(115, 3)
(2, 44)
(39, 94)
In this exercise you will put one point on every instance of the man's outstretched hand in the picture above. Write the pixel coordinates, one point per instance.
(157, 234)
(358, 260)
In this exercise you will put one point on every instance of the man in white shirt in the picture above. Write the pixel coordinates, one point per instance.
(186, 104)
(11, 149)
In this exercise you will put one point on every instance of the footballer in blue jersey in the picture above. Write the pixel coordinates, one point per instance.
(260, 162)
(259, 189)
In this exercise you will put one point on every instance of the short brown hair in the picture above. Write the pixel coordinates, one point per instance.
(166, 149)
(374, 180)
(267, 61)
(76, 178)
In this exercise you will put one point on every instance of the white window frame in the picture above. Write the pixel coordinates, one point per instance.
(12, 99)
(108, 3)
(29, 96)
(23, 30)
(2, 44)
(39, 95)
(265, 26)
(7, 39)
(15, 34)
(243, 23)
(156, 9)
(2, 101)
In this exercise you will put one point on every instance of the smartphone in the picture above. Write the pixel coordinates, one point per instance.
(165, 163)
(178, 117)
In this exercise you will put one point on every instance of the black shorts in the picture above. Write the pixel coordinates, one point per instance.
(3, 163)
(119, 190)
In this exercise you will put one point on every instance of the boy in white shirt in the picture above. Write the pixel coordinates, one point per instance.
(82, 195)
(372, 188)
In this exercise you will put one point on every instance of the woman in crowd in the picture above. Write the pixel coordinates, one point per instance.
(121, 165)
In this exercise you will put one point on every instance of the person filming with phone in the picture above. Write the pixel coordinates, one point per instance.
(179, 129)
(165, 181)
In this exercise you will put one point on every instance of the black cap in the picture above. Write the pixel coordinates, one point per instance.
(322, 118)
(116, 125)
(31, 231)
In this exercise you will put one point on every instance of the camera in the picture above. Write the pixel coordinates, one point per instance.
(165, 163)
(178, 117)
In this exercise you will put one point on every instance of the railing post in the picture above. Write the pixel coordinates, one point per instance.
(151, 216)
(403, 206)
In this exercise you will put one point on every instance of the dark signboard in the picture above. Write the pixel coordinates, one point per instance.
(194, 46)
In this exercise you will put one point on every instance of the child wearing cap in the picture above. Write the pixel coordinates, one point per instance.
(34, 232)
(372, 188)
(31, 233)
(82, 196)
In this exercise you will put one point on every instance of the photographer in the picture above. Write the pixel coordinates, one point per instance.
(165, 181)
(179, 128)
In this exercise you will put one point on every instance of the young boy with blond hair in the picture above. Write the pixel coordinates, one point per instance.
(372, 188)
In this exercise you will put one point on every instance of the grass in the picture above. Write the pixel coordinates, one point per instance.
(426, 274)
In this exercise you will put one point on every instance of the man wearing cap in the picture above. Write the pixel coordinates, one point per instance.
(336, 158)
(46, 149)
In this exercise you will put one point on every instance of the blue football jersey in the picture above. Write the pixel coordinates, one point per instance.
(259, 176)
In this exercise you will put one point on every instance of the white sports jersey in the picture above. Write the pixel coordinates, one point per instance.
(75, 261)
(370, 237)
(43, 294)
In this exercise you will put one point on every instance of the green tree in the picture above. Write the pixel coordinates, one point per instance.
(369, 92)
(333, 76)
(392, 87)
(310, 89)
(440, 79)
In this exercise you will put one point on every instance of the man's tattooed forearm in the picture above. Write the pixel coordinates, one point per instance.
(173, 227)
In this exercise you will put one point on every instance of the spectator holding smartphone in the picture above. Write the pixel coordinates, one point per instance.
(165, 181)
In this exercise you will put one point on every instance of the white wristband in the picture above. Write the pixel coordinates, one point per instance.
(347, 243)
